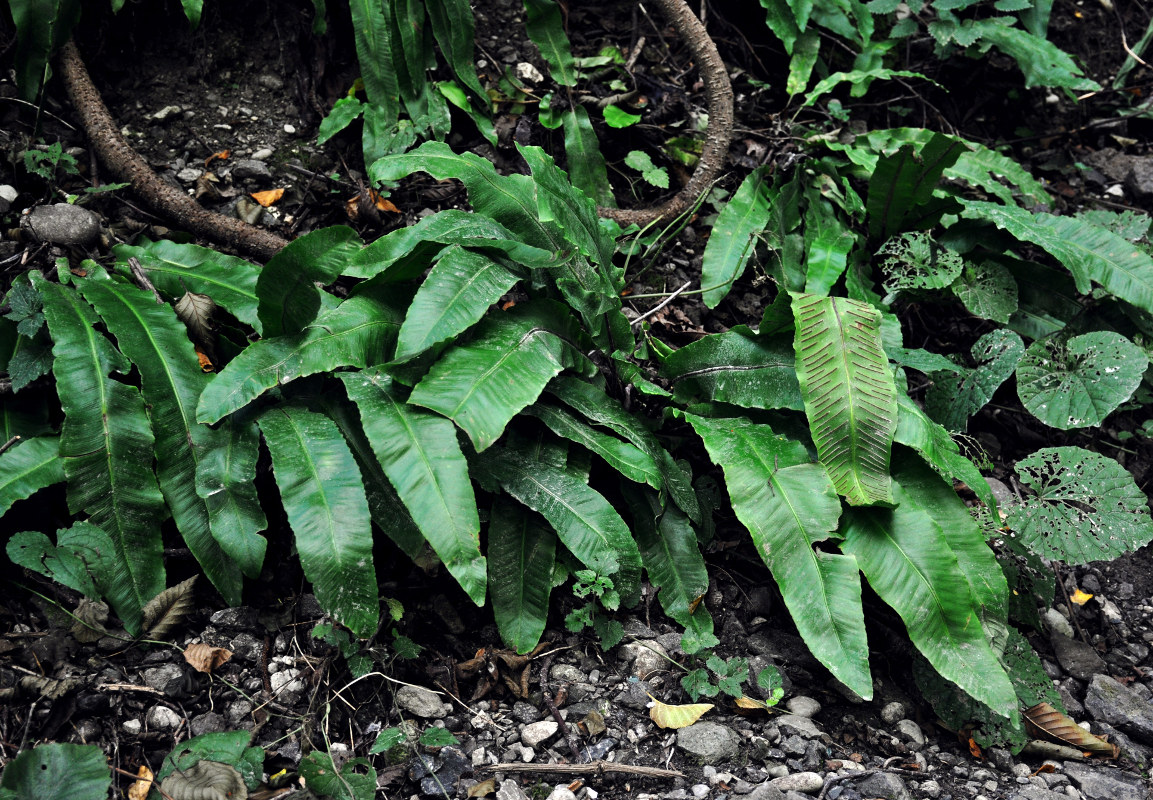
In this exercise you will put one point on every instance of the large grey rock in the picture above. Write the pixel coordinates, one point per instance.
(1105, 783)
(765, 791)
(803, 706)
(709, 742)
(62, 224)
(536, 733)
(1109, 701)
(807, 782)
(250, 169)
(803, 726)
(167, 678)
(1076, 658)
(510, 790)
(419, 702)
(1037, 793)
(884, 784)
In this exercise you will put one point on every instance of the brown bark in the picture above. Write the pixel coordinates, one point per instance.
(720, 129)
(127, 165)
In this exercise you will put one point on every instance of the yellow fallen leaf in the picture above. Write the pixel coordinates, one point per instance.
(143, 783)
(746, 705)
(482, 789)
(269, 197)
(1081, 598)
(666, 716)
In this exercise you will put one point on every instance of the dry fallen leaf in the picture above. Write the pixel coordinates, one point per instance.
(1080, 598)
(195, 311)
(666, 716)
(1044, 721)
(206, 657)
(747, 705)
(141, 786)
(268, 197)
(205, 362)
(163, 612)
(223, 154)
(482, 789)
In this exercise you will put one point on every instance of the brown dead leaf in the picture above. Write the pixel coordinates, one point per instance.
(141, 786)
(221, 156)
(592, 724)
(205, 362)
(206, 657)
(482, 789)
(975, 749)
(268, 197)
(1044, 721)
(167, 609)
(666, 716)
(195, 311)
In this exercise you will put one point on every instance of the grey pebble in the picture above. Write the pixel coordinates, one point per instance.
(807, 782)
(63, 224)
(709, 742)
(419, 702)
(892, 713)
(803, 706)
(250, 169)
(162, 718)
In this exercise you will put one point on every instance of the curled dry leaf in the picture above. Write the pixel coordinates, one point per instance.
(1044, 721)
(141, 786)
(206, 780)
(89, 623)
(221, 156)
(666, 716)
(267, 198)
(205, 657)
(748, 705)
(195, 311)
(164, 612)
(592, 723)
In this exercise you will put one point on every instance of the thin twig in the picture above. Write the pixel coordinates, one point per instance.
(566, 731)
(661, 305)
(591, 768)
(8, 444)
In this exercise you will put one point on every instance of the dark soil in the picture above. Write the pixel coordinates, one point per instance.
(254, 78)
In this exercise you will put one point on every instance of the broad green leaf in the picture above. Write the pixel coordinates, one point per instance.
(157, 343)
(600, 409)
(850, 398)
(987, 290)
(626, 458)
(485, 382)
(521, 556)
(178, 268)
(923, 361)
(320, 487)
(642, 162)
(52, 771)
(782, 21)
(738, 367)
(287, 287)
(804, 58)
(617, 117)
(343, 112)
(828, 242)
(192, 10)
(28, 467)
(510, 200)
(1047, 298)
(1076, 383)
(1089, 252)
(370, 27)
(788, 505)
(953, 398)
(1042, 62)
(355, 779)
(674, 564)
(906, 179)
(106, 444)
(453, 297)
(357, 333)
(546, 29)
(224, 747)
(936, 446)
(915, 261)
(583, 520)
(586, 165)
(734, 237)
(1087, 507)
(42, 26)
(405, 253)
(420, 455)
(911, 564)
(225, 476)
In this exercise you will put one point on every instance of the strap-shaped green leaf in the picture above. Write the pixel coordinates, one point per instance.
(936, 446)
(453, 297)
(583, 520)
(850, 398)
(322, 493)
(828, 242)
(571, 209)
(177, 268)
(422, 459)
(287, 287)
(599, 408)
(225, 476)
(546, 29)
(911, 564)
(106, 444)
(904, 180)
(484, 383)
(370, 25)
(454, 27)
(788, 505)
(626, 458)
(734, 237)
(738, 367)
(27, 468)
(157, 343)
(673, 562)
(405, 253)
(357, 333)
(1092, 253)
(586, 165)
(521, 555)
